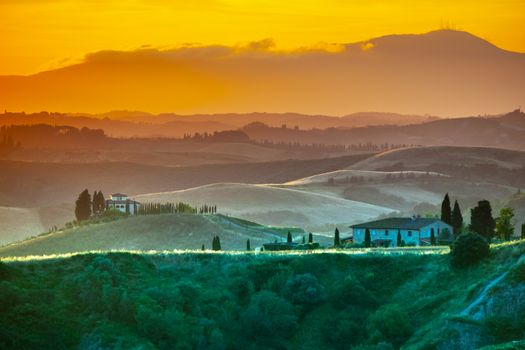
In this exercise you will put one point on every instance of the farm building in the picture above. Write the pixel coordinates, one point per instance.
(413, 231)
(122, 203)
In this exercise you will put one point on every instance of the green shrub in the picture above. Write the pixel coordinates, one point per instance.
(389, 323)
(304, 289)
(269, 319)
(468, 249)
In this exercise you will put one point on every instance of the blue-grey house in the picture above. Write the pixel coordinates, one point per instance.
(413, 230)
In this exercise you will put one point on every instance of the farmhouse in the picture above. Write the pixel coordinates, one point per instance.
(122, 203)
(413, 231)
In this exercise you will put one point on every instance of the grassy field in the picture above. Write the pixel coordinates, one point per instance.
(272, 205)
(262, 301)
(153, 232)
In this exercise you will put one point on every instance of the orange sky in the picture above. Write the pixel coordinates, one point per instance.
(39, 35)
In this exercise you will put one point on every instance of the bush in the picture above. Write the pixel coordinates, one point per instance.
(390, 323)
(304, 289)
(269, 318)
(468, 249)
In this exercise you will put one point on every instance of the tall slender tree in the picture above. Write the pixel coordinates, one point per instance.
(94, 203)
(457, 219)
(310, 238)
(83, 206)
(481, 220)
(248, 246)
(289, 239)
(432, 237)
(523, 231)
(446, 212)
(216, 243)
(368, 239)
(399, 241)
(337, 239)
(504, 227)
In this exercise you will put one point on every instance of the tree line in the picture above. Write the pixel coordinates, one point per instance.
(482, 220)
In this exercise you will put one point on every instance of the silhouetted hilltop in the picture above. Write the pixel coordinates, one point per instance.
(447, 73)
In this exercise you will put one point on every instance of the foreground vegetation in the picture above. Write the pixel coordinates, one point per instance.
(261, 301)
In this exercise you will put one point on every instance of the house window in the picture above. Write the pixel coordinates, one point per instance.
(386, 232)
(409, 233)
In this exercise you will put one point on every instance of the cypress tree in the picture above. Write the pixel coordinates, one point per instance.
(94, 203)
(481, 220)
(399, 238)
(368, 240)
(457, 219)
(248, 246)
(337, 239)
(203, 248)
(446, 212)
(310, 238)
(83, 206)
(101, 202)
(304, 239)
(432, 237)
(216, 244)
(504, 226)
(289, 238)
(522, 231)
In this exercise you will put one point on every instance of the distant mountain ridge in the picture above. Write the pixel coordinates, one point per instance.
(447, 73)
(142, 124)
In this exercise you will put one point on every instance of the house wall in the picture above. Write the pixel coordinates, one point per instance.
(409, 236)
(438, 227)
(122, 207)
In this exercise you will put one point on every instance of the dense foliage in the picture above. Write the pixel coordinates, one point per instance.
(83, 206)
(468, 249)
(481, 220)
(244, 301)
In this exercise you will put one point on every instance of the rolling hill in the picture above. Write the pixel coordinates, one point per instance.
(274, 205)
(420, 158)
(154, 232)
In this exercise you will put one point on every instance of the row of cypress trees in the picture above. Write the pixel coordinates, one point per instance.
(166, 208)
(453, 217)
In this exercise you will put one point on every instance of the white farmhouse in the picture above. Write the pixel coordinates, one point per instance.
(413, 231)
(122, 203)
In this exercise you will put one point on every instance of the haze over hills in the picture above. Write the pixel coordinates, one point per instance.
(503, 131)
(272, 205)
(451, 73)
(139, 124)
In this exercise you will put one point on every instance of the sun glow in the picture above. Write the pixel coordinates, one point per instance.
(39, 35)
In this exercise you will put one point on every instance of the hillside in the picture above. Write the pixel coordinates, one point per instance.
(154, 232)
(274, 205)
(53, 183)
(419, 158)
(258, 301)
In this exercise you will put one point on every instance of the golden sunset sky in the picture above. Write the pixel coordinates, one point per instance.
(37, 35)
